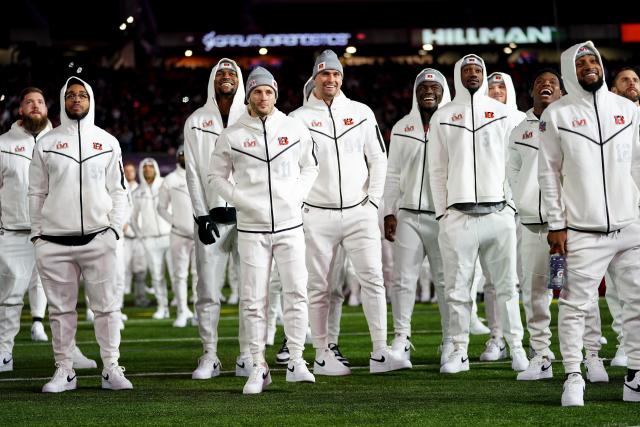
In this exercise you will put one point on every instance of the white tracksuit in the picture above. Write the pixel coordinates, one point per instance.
(407, 196)
(467, 164)
(152, 229)
(133, 262)
(201, 131)
(342, 208)
(533, 247)
(589, 173)
(77, 188)
(273, 168)
(174, 194)
(17, 257)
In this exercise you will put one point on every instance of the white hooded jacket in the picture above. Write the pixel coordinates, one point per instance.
(16, 149)
(145, 219)
(515, 116)
(522, 171)
(76, 181)
(589, 159)
(201, 132)
(174, 204)
(468, 142)
(350, 151)
(407, 184)
(273, 168)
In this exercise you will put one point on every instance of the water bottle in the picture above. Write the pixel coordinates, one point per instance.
(557, 272)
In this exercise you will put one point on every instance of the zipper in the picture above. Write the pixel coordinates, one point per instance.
(80, 167)
(604, 180)
(473, 136)
(424, 160)
(266, 149)
(335, 141)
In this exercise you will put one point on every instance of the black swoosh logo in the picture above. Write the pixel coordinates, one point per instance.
(5, 361)
(407, 348)
(636, 389)
(70, 379)
(503, 348)
(239, 365)
(321, 364)
(382, 359)
(216, 366)
(545, 368)
(464, 360)
(106, 378)
(291, 369)
(264, 376)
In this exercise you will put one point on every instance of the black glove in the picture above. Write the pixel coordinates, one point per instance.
(206, 229)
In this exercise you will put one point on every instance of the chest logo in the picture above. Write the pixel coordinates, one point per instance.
(348, 122)
(456, 117)
(61, 145)
(489, 115)
(578, 122)
(408, 128)
(619, 120)
(19, 149)
(528, 134)
(283, 140)
(207, 123)
(316, 123)
(248, 143)
(97, 146)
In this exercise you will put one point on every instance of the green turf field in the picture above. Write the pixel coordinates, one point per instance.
(159, 360)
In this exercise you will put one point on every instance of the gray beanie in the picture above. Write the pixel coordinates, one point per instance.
(260, 77)
(327, 60)
(472, 60)
(585, 50)
(495, 78)
(430, 75)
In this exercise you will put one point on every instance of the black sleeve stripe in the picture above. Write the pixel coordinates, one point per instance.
(380, 141)
(124, 187)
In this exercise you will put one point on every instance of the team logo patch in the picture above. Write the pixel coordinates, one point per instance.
(471, 60)
(497, 77)
(226, 65)
(251, 83)
(542, 127)
(488, 115)
(528, 134)
(619, 120)
(578, 122)
(429, 77)
(456, 117)
(248, 143)
(97, 146)
(207, 123)
(316, 124)
(283, 140)
(61, 145)
(19, 149)
(348, 122)
(408, 128)
(321, 66)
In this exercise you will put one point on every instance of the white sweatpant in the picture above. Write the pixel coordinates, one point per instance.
(60, 268)
(615, 306)
(134, 264)
(37, 297)
(338, 274)
(491, 237)
(589, 255)
(416, 237)
(182, 253)
(156, 249)
(257, 252)
(211, 263)
(17, 260)
(357, 230)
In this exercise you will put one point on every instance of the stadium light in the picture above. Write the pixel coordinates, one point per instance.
(427, 47)
(130, 20)
(123, 26)
(2, 97)
(507, 50)
(185, 99)
(351, 49)
(512, 45)
(263, 51)
(188, 52)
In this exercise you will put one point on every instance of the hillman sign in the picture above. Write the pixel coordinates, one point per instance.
(211, 40)
(497, 35)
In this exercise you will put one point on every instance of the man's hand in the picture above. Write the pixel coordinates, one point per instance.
(557, 242)
(390, 224)
(206, 230)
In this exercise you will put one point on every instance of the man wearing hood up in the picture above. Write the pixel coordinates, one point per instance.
(216, 232)
(273, 165)
(409, 219)
(467, 171)
(153, 229)
(174, 205)
(589, 175)
(78, 205)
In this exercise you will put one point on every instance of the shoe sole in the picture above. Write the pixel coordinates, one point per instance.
(265, 384)
(69, 387)
(318, 370)
(107, 386)
(463, 369)
(373, 369)
(597, 380)
(540, 376)
(195, 376)
(630, 396)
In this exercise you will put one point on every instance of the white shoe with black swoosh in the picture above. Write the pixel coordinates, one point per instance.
(259, 379)
(63, 380)
(326, 363)
(113, 378)
(458, 361)
(297, 372)
(244, 366)
(573, 390)
(387, 360)
(6, 362)
(539, 369)
(402, 345)
(208, 367)
(631, 389)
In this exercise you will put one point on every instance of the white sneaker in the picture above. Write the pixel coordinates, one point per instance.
(631, 389)
(161, 313)
(194, 320)
(259, 379)
(458, 361)
(208, 367)
(297, 372)
(113, 378)
(233, 299)
(244, 366)
(90, 316)
(327, 364)
(495, 349)
(573, 391)
(402, 346)
(6, 362)
(596, 373)
(539, 369)
(282, 357)
(387, 360)
(476, 327)
(63, 380)
(519, 361)
(445, 349)
(38, 333)
(620, 359)
(336, 351)
(80, 361)
(182, 319)
(603, 340)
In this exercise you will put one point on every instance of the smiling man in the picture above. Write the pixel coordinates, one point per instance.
(589, 174)
(409, 219)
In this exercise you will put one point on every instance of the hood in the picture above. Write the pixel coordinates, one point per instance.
(568, 70)
(446, 94)
(307, 89)
(462, 93)
(237, 106)
(511, 91)
(90, 117)
(143, 181)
